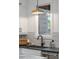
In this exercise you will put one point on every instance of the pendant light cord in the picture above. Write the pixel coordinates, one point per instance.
(37, 4)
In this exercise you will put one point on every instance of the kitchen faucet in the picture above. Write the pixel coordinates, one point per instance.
(42, 43)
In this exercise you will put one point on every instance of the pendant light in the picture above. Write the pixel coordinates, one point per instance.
(37, 10)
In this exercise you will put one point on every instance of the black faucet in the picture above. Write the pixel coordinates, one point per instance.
(42, 43)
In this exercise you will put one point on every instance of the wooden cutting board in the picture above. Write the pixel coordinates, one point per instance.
(24, 41)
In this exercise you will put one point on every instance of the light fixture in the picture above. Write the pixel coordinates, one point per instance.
(37, 10)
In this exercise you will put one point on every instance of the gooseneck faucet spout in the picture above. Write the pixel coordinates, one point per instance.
(41, 37)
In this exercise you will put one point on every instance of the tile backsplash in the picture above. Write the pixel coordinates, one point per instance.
(47, 39)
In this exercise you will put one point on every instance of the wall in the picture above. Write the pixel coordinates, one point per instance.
(23, 23)
(28, 21)
(55, 20)
(33, 24)
(23, 15)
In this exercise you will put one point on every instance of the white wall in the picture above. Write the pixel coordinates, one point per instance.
(32, 19)
(23, 15)
(23, 23)
(28, 21)
(55, 20)
(43, 1)
(33, 24)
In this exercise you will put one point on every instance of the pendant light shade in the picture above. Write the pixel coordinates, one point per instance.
(37, 10)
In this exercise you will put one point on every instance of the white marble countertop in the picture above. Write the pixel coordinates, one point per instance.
(23, 54)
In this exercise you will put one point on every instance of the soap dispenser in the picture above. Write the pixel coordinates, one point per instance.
(52, 45)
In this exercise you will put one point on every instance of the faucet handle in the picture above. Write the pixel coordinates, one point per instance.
(43, 43)
(37, 37)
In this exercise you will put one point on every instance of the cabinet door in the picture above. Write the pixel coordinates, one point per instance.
(52, 57)
(43, 23)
